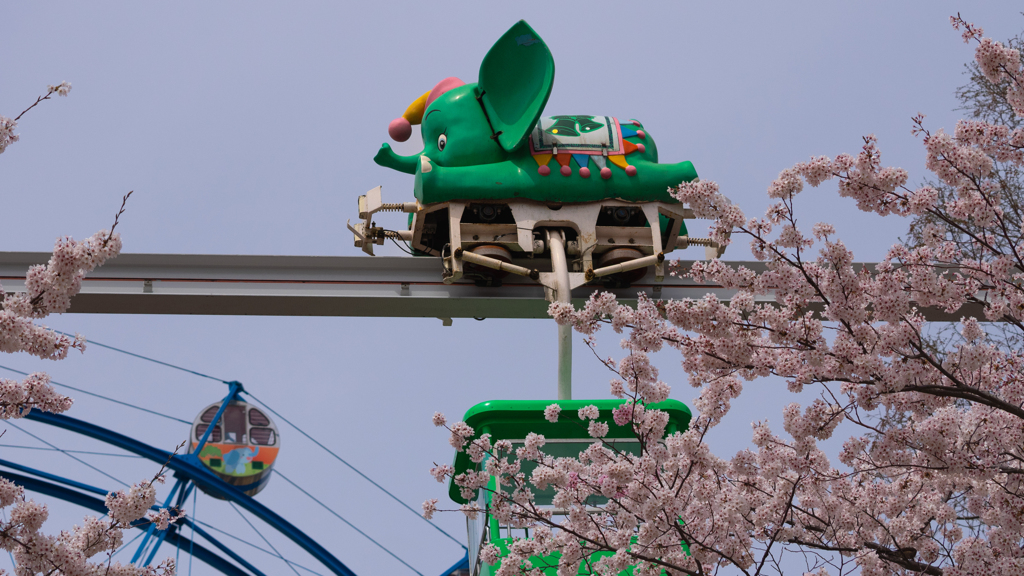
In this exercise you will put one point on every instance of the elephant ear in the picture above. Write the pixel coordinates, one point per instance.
(515, 81)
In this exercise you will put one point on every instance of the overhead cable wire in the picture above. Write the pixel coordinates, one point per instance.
(274, 412)
(123, 546)
(351, 525)
(354, 469)
(168, 364)
(55, 383)
(264, 538)
(247, 543)
(70, 451)
(72, 456)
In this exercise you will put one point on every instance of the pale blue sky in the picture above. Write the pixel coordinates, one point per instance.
(250, 128)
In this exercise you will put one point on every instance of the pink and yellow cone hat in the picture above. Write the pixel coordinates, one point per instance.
(400, 129)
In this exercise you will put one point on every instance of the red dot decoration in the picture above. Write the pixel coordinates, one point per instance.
(566, 171)
(606, 172)
(630, 170)
(641, 148)
(543, 170)
(585, 172)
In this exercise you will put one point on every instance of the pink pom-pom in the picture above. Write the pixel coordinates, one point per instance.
(585, 172)
(635, 123)
(400, 129)
(606, 172)
(630, 170)
(641, 148)
(566, 171)
(641, 134)
(543, 170)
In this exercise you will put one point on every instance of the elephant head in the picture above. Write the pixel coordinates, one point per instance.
(482, 123)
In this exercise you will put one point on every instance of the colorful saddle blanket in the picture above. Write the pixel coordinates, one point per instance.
(577, 135)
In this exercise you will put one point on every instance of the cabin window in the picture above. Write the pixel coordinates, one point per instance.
(214, 436)
(257, 418)
(262, 436)
(209, 414)
(234, 424)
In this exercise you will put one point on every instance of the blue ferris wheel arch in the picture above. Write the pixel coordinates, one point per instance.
(174, 537)
(186, 468)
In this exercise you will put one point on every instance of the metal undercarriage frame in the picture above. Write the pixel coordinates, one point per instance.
(457, 230)
(483, 237)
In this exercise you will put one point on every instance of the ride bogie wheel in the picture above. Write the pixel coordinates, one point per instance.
(618, 256)
(482, 275)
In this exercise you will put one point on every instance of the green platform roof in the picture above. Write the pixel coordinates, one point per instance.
(514, 419)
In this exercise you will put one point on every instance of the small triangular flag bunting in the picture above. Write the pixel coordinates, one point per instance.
(619, 160)
(542, 159)
(599, 160)
(563, 159)
(628, 147)
(581, 159)
(627, 131)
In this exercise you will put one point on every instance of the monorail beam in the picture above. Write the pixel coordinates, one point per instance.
(381, 286)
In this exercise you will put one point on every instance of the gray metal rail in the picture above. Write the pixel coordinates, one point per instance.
(379, 286)
(308, 286)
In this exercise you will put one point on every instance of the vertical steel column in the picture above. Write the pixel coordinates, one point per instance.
(235, 388)
(560, 267)
(152, 527)
(182, 496)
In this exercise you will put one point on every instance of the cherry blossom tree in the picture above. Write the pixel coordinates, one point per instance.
(939, 494)
(49, 289)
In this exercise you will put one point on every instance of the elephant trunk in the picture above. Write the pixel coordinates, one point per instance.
(387, 158)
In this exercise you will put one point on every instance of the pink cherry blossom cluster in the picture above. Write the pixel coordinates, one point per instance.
(35, 391)
(7, 135)
(929, 477)
(997, 62)
(49, 290)
(69, 553)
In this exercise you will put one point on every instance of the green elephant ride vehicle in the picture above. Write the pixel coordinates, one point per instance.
(496, 179)
(512, 420)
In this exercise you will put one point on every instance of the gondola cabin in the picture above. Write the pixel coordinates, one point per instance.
(242, 446)
(512, 420)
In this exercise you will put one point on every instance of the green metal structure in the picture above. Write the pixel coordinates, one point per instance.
(512, 420)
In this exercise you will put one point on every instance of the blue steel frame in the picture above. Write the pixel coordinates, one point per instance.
(186, 486)
(186, 468)
(199, 551)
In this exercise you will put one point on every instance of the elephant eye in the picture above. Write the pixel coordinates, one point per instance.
(441, 141)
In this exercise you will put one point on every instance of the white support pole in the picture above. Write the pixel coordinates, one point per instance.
(559, 265)
(564, 362)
